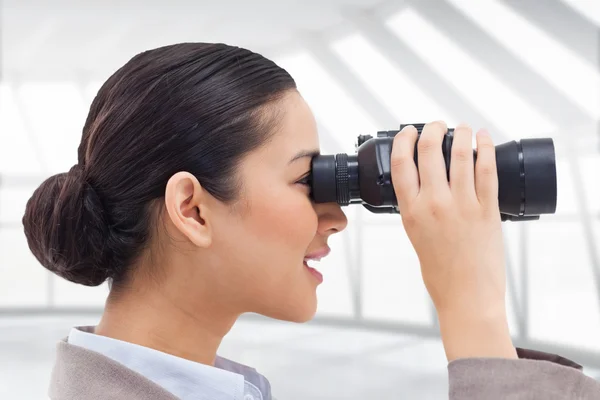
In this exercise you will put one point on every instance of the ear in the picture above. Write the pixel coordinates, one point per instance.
(188, 207)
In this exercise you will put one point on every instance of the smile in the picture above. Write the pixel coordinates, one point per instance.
(313, 258)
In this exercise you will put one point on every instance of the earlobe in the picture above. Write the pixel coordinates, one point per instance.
(188, 209)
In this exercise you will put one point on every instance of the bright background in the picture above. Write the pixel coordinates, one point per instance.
(521, 68)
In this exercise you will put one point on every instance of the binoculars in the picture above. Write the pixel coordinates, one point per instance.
(526, 175)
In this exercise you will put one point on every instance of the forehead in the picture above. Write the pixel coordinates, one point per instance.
(297, 127)
(296, 130)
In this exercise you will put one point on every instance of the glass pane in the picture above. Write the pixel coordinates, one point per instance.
(17, 152)
(513, 242)
(563, 293)
(568, 203)
(12, 204)
(56, 114)
(392, 285)
(23, 281)
(566, 200)
(68, 294)
(590, 167)
(335, 293)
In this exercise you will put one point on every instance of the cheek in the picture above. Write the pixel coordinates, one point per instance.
(290, 222)
(261, 252)
(270, 236)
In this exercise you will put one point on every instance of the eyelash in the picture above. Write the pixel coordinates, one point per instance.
(305, 180)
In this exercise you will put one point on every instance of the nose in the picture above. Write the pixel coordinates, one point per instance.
(331, 218)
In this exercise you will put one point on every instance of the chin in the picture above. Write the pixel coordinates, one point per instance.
(300, 319)
(300, 312)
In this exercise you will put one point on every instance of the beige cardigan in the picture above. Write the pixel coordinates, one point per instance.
(83, 374)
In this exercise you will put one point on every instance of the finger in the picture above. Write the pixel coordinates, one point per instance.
(486, 173)
(462, 173)
(432, 167)
(405, 176)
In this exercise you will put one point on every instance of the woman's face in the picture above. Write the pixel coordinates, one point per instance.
(258, 250)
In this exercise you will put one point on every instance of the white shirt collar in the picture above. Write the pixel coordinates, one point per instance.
(184, 378)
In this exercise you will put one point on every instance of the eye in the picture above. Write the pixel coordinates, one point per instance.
(305, 180)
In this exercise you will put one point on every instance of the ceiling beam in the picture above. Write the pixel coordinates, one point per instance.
(340, 72)
(419, 71)
(513, 72)
(564, 24)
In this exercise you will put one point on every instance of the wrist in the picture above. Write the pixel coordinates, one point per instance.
(468, 334)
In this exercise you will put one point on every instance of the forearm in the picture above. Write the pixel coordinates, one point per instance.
(476, 334)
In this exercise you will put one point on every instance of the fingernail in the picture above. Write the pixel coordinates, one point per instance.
(483, 133)
(407, 128)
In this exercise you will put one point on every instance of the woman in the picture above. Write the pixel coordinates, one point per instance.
(191, 197)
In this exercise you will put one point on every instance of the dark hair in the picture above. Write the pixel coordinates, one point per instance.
(195, 107)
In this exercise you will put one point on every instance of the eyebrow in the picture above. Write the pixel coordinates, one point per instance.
(304, 154)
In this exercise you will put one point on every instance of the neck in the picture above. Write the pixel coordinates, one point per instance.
(160, 319)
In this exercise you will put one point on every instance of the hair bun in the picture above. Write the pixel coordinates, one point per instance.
(66, 228)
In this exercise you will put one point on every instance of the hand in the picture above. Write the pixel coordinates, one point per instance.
(455, 228)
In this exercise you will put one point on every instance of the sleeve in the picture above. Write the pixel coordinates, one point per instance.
(535, 375)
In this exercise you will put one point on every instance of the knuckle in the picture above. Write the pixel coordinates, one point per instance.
(409, 220)
(487, 170)
(426, 145)
(399, 160)
(462, 154)
(438, 206)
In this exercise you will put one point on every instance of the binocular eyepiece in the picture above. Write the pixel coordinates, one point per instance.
(526, 175)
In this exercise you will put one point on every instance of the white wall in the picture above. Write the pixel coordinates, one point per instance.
(42, 111)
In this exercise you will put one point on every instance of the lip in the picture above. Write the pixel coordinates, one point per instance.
(318, 254)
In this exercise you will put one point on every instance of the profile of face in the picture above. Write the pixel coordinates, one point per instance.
(250, 256)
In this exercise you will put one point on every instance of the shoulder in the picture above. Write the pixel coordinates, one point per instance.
(82, 373)
(533, 373)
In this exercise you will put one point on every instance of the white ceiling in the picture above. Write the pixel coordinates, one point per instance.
(528, 80)
(49, 40)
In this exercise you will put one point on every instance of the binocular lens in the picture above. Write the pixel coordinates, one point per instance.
(526, 173)
(526, 177)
